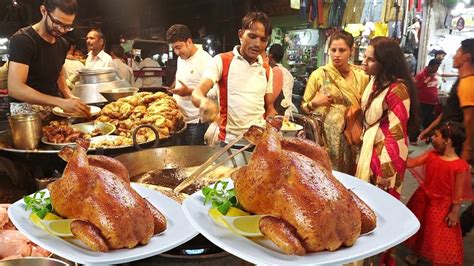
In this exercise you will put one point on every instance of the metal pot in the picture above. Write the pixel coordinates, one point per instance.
(138, 163)
(29, 261)
(98, 75)
(90, 93)
(172, 157)
(26, 130)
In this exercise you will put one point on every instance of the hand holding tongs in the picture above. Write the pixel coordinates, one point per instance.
(251, 135)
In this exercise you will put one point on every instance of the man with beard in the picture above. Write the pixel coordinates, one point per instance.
(245, 82)
(191, 64)
(97, 57)
(37, 55)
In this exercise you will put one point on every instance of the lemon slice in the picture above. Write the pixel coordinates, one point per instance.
(216, 215)
(244, 225)
(61, 228)
(34, 218)
(236, 212)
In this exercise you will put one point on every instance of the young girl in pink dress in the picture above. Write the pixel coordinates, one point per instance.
(444, 182)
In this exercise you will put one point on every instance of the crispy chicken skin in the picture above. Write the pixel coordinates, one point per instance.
(297, 187)
(96, 190)
(367, 215)
(282, 234)
(159, 219)
(90, 235)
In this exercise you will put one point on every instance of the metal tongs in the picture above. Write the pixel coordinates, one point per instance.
(251, 136)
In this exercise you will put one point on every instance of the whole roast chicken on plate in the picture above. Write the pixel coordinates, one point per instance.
(96, 191)
(309, 210)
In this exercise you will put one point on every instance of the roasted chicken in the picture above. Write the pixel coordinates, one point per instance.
(291, 180)
(96, 191)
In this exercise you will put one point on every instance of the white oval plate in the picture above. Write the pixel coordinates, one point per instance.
(391, 230)
(178, 232)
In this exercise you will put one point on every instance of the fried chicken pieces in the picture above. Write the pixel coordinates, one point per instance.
(96, 191)
(157, 109)
(311, 210)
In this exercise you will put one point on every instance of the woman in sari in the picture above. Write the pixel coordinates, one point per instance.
(388, 105)
(330, 91)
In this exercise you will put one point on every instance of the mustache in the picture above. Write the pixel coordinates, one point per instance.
(255, 47)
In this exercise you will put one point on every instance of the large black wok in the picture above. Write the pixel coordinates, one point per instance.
(174, 157)
(177, 157)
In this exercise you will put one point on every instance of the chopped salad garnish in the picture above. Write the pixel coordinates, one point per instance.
(220, 197)
(38, 204)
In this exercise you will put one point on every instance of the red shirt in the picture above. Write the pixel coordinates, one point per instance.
(427, 85)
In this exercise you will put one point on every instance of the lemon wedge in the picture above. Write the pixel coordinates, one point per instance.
(244, 225)
(236, 212)
(34, 218)
(61, 228)
(238, 221)
(216, 215)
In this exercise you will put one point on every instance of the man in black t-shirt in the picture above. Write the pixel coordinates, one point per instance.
(37, 55)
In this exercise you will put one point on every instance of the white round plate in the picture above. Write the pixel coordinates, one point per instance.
(60, 112)
(178, 232)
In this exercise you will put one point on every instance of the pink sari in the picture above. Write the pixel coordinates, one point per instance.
(386, 143)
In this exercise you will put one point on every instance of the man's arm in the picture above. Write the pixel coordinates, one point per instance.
(199, 94)
(18, 89)
(277, 82)
(208, 110)
(269, 107)
(424, 134)
(468, 145)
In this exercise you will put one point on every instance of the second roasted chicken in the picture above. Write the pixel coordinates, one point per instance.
(291, 180)
(96, 191)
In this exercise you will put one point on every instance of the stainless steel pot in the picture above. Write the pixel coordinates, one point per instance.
(29, 261)
(98, 75)
(90, 93)
(138, 163)
(26, 130)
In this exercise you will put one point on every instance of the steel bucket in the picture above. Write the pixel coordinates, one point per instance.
(100, 75)
(25, 130)
(31, 261)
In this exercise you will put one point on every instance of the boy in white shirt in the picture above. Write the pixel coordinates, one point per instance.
(190, 68)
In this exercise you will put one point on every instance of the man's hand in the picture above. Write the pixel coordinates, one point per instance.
(76, 106)
(181, 91)
(424, 135)
(208, 110)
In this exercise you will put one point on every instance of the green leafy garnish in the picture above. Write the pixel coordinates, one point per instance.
(38, 204)
(220, 197)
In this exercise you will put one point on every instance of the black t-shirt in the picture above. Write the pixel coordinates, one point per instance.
(45, 60)
(452, 109)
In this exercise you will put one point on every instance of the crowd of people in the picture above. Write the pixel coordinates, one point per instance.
(236, 88)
